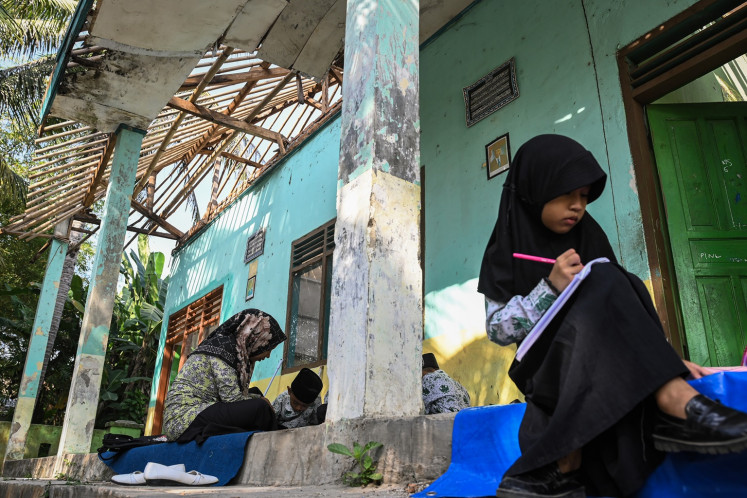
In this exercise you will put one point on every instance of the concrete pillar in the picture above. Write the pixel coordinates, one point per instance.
(77, 430)
(376, 324)
(29, 386)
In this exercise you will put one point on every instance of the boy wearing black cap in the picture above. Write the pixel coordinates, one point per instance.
(441, 393)
(297, 407)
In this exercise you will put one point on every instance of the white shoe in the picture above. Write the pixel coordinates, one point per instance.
(137, 478)
(156, 472)
(199, 479)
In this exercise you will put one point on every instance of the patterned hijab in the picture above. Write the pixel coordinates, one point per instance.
(246, 334)
(544, 168)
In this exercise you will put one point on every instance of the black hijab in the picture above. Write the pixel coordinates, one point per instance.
(544, 168)
(246, 334)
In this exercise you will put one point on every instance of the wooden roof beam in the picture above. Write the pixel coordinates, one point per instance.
(226, 121)
(95, 221)
(233, 157)
(252, 76)
(178, 234)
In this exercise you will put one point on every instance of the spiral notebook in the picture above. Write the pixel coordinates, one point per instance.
(543, 322)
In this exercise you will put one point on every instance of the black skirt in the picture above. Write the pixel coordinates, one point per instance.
(589, 383)
(252, 414)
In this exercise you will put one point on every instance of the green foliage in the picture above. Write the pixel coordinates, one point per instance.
(362, 457)
(30, 32)
(15, 159)
(33, 26)
(16, 321)
(133, 337)
(22, 269)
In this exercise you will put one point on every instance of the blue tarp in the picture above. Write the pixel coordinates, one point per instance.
(485, 443)
(219, 456)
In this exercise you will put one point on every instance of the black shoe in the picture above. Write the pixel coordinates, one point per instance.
(544, 482)
(710, 427)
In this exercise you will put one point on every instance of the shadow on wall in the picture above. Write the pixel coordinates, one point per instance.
(480, 366)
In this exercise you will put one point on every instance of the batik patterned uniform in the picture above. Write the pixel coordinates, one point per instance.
(289, 418)
(442, 394)
(203, 381)
(508, 323)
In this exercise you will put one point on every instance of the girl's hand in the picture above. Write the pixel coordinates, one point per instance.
(566, 266)
(696, 371)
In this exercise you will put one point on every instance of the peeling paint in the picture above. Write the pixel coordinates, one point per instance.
(84, 389)
(377, 294)
(632, 184)
(385, 56)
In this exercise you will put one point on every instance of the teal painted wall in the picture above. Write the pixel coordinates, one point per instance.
(298, 196)
(569, 84)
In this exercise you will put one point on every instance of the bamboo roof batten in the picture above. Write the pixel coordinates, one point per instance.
(83, 153)
(73, 141)
(57, 126)
(63, 134)
(101, 138)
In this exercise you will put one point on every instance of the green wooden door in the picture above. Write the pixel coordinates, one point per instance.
(700, 156)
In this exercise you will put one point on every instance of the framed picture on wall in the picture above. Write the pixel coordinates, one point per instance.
(250, 287)
(498, 156)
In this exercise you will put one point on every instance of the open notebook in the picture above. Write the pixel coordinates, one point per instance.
(543, 322)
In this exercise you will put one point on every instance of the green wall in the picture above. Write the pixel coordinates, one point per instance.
(568, 83)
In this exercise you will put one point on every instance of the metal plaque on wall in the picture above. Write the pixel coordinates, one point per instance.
(491, 92)
(255, 246)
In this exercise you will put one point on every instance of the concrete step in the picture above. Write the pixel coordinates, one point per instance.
(39, 488)
(415, 450)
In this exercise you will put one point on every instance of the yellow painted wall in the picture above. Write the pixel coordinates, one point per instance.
(282, 382)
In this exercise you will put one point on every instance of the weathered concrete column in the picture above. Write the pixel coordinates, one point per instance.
(82, 402)
(376, 324)
(37, 348)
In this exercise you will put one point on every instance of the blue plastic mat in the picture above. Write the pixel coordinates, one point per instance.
(219, 456)
(485, 443)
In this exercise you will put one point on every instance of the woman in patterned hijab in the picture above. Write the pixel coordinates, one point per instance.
(243, 339)
(211, 394)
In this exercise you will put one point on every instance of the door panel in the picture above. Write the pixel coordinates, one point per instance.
(700, 156)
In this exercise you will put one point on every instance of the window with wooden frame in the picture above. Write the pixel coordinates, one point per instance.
(309, 290)
(187, 328)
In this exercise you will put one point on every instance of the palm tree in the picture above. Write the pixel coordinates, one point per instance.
(30, 32)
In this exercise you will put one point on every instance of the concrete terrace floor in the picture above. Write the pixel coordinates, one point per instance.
(39, 488)
(292, 463)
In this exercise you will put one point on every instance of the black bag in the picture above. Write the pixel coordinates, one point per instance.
(121, 442)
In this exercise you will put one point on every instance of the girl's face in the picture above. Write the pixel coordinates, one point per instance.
(565, 211)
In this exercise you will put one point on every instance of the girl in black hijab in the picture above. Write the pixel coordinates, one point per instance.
(602, 374)
(211, 393)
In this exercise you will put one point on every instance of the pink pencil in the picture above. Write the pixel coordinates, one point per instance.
(534, 258)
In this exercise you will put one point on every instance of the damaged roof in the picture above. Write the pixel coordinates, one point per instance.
(222, 89)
